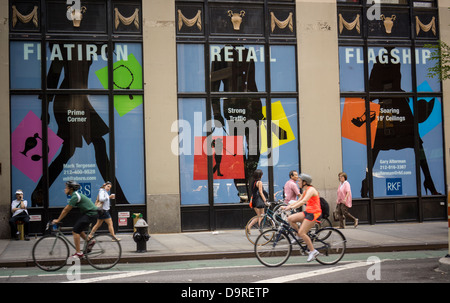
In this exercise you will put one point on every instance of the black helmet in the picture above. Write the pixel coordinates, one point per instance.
(73, 185)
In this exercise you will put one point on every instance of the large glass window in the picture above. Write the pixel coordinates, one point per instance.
(401, 154)
(81, 124)
(249, 115)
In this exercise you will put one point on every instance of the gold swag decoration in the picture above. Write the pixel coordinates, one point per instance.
(24, 19)
(349, 26)
(190, 22)
(426, 28)
(126, 21)
(281, 24)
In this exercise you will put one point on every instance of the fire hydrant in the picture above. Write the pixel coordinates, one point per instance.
(141, 236)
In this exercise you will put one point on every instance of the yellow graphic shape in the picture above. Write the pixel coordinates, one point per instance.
(281, 129)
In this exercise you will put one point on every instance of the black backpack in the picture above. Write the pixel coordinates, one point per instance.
(325, 208)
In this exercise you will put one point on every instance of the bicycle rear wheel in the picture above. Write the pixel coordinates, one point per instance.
(257, 228)
(331, 245)
(50, 253)
(273, 248)
(325, 222)
(105, 251)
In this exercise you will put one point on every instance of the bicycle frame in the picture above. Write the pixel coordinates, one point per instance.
(290, 232)
(60, 234)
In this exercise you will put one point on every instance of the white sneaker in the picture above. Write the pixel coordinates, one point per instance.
(312, 255)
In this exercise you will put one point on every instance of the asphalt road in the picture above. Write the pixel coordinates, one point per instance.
(412, 266)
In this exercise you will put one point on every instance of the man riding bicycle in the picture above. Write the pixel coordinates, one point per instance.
(87, 209)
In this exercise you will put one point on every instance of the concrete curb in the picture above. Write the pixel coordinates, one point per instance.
(444, 263)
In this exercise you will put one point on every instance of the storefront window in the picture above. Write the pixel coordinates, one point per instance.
(193, 160)
(245, 127)
(351, 68)
(81, 123)
(27, 144)
(191, 68)
(389, 161)
(91, 120)
(26, 55)
(237, 68)
(283, 75)
(285, 141)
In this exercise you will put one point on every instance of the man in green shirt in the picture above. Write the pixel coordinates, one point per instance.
(87, 209)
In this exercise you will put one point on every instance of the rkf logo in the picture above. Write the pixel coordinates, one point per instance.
(394, 186)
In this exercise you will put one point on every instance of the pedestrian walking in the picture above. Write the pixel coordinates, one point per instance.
(344, 201)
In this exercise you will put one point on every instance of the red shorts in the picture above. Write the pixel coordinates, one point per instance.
(313, 216)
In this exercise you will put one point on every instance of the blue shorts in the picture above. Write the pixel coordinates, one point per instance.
(103, 214)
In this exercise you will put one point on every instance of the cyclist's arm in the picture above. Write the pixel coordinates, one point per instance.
(64, 213)
(302, 201)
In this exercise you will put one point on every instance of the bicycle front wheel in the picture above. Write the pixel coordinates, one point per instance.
(104, 251)
(273, 248)
(331, 245)
(50, 253)
(254, 227)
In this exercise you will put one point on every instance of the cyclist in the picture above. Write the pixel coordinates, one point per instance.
(309, 217)
(87, 209)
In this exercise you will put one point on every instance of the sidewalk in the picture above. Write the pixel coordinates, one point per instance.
(234, 244)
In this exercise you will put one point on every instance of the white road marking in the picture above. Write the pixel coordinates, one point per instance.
(112, 277)
(313, 273)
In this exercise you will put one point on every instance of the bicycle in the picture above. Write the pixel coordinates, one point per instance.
(50, 253)
(272, 218)
(274, 246)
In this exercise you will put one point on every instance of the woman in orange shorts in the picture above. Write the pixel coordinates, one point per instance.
(309, 217)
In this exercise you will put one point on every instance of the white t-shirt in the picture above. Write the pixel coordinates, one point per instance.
(16, 204)
(103, 196)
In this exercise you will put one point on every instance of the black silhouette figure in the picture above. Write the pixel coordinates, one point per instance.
(238, 76)
(217, 144)
(92, 129)
(396, 135)
(30, 143)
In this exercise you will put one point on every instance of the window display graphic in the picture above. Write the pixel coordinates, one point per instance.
(77, 121)
(26, 146)
(127, 74)
(228, 159)
(281, 129)
(392, 132)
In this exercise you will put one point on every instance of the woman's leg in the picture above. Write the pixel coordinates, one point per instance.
(94, 229)
(294, 218)
(303, 233)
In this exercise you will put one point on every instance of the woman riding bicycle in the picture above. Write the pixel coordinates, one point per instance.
(309, 217)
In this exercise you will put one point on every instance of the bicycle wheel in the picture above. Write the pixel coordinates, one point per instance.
(273, 248)
(331, 245)
(50, 253)
(325, 222)
(256, 229)
(105, 252)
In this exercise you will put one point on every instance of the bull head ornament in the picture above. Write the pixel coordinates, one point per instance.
(388, 22)
(236, 19)
(75, 12)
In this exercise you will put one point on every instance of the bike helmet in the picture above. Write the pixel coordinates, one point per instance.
(306, 178)
(73, 185)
